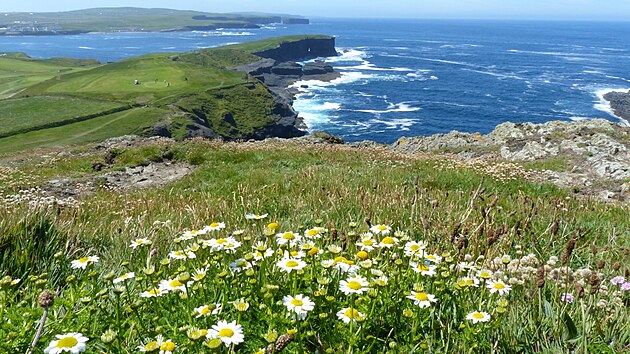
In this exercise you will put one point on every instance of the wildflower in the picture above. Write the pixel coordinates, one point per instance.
(618, 280)
(273, 226)
(140, 242)
(380, 229)
(289, 264)
(182, 254)
(478, 316)
(150, 346)
(567, 297)
(334, 249)
(315, 232)
(468, 281)
(288, 238)
(15, 281)
(200, 274)
(172, 285)
(498, 286)
(484, 274)
(354, 285)
(255, 216)
(73, 342)
(388, 242)
(433, 258)
(625, 286)
(299, 304)
(215, 226)
(424, 269)
(240, 265)
(124, 277)
(152, 293)
(195, 333)
(228, 333)
(327, 263)
(108, 336)
(367, 242)
(84, 262)
(413, 248)
(422, 299)
(241, 305)
(166, 346)
(381, 281)
(207, 310)
(350, 314)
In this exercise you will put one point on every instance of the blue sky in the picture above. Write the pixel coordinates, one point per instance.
(484, 9)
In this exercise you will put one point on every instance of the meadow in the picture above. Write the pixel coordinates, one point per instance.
(291, 247)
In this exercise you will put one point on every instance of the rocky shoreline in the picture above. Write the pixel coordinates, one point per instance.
(620, 103)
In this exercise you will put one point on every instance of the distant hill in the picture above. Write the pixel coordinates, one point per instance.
(131, 19)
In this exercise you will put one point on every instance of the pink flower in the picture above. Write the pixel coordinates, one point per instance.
(618, 280)
(567, 297)
(625, 286)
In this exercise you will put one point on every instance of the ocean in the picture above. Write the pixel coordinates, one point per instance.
(417, 77)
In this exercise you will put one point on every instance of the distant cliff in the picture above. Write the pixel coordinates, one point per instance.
(620, 103)
(302, 49)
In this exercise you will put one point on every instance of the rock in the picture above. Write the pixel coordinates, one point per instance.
(302, 49)
(287, 68)
(620, 103)
(317, 68)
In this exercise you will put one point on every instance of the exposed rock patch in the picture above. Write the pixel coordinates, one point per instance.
(620, 103)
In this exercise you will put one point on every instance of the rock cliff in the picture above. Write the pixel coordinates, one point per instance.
(590, 157)
(620, 103)
(307, 48)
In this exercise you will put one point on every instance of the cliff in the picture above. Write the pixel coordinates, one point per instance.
(620, 103)
(307, 48)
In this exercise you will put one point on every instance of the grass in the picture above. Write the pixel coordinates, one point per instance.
(505, 225)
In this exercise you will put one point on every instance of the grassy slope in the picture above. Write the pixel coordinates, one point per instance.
(299, 184)
(195, 81)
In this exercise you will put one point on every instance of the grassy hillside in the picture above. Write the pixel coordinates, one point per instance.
(127, 19)
(510, 265)
(185, 89)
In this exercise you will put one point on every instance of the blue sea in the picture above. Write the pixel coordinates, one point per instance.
(417, 77)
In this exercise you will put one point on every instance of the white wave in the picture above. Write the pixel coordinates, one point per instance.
(421, 75)
(399, 124)
(369, 66)
(85, 47)
(578, 118)
(349, 55)
(603, 105)
(499, 75)
(450, 62)
(346, 78)
(314, 112)
(392, 107)
(226, 33)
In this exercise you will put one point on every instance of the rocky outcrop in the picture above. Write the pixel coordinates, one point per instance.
(306, 48)
(590, 156)
(620, 103)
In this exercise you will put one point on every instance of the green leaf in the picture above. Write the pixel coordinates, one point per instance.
(571, 330)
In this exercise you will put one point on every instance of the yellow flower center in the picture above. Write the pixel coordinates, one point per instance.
(151, 346)
(368, 242)
(388, 240)
(499, 286)
(354, 285)
(421, 296)
(351, 313)
(414, 247)
(484, 275)
(288, 236)
(273, 226)
(175, 283)
(340, 259)
(68, 342)
(226, 332)
(214, 224)
(312, 233)
(381, 227)
(313, 251)
(154, 292)
(478, 315)
(205, 311)
(294, 253)
(292, 264)
(168, 346)
(469, 282)
(241, 264)
(221, 241)
(423, 267)
(297, 302)
(84, 260)
(362, 255)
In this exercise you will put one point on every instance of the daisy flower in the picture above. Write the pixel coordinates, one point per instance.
(15, 281)
(172, 285)
(354, 285)
(240, 265)
(241, 305)
(200, 274)
(367, 243)
(478, 316)
(207, 310)
(228, 332)
(124, 277)
(289, 264)
(423, 268)
(315, 232)
(422, 299)
(484, 274)
(215, 226)
(498, 286)
(350, 314)
(381, 281)
(380, 229)
(255, 216)
(288, 238)
(189, 235)
(84, 262)
(413, 248)
(299, 304)
(433, 258)
(140, 242)
(150, 346)
(166, 346)
(388, 242)
(73, 342)
(182, 254)
(468, 281)
(152, 293)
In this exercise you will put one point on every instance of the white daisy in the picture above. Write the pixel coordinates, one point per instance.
(478, 316)
(215, 226)
(300, 305)
(289, 264)
(423, 268)
(84, 262)
(166, 346)
(367, 243)
(380, 229)
(73, 342)
(413, 248)
(140, 242)
(172, 285)
(228, 332)
(422, 299)
(255, 216)
(182, 254)
(288, 238)
(152, 293)
(350, 314)
(240, 265)
(498, 287)
(207, 310)
(354, 285)
(388, 242)
(124, 277)
(433, 258)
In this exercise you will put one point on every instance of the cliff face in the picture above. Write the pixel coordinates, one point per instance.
(303, 49)
(620, 103)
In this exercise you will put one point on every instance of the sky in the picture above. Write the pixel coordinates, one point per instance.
(618, 10)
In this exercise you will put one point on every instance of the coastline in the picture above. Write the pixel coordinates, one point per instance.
(615, 102)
